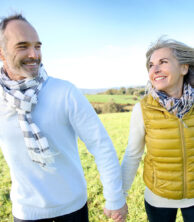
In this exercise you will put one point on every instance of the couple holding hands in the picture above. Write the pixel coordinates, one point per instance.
(41, 118)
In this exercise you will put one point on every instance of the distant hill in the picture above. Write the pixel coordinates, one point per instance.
(96, 91)
(93, 91)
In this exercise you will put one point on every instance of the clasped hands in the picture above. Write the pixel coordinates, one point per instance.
(117, 215)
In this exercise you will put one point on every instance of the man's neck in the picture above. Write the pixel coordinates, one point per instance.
(12, 76)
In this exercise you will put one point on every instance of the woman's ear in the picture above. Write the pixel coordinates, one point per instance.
(184, 69)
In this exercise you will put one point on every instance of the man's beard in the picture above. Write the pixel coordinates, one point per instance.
(26, 69)
(27, 66)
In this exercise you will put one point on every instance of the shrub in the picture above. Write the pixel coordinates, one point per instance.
(111, 107)
(97, 108)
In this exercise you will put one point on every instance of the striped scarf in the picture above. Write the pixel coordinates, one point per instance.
(178, 107)
(22, 96)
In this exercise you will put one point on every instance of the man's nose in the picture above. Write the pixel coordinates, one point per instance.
(33, 53)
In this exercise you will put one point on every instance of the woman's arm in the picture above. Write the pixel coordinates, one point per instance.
(135, 148)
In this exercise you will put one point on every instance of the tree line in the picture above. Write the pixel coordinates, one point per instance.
(136, 91)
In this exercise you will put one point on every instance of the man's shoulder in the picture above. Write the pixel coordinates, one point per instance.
(61, 87)
(55, 82)
(56, 85)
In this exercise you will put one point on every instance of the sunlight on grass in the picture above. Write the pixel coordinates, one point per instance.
(103, 98)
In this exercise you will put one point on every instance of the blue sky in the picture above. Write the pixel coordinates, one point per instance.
(102, 43)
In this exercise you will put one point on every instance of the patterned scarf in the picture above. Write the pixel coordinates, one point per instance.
(22, 96)
(178, 107)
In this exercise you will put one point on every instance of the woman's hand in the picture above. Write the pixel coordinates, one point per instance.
(117, 215)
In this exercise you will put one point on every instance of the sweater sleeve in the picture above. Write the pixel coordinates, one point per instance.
(135, 148)
(91, 131)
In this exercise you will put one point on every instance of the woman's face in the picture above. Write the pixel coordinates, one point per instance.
(165, 72)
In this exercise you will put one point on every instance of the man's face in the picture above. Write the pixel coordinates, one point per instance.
(22, 53)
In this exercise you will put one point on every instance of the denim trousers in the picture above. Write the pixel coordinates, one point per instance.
(157, 214)
(77, 216)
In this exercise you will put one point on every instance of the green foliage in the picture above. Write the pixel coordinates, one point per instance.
(117, 125)
(109, 107)
(111, 92)
(139, 91)
(122, 91)
(5, 183)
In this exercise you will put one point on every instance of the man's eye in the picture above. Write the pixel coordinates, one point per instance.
(22, 47)
(38, 47)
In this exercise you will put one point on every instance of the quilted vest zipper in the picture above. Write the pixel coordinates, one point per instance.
(184, 157)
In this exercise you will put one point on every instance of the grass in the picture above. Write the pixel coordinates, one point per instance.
(5, 183)
(117, 125)
(103, 98)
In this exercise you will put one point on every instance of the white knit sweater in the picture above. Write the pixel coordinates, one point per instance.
(132, 157)
(62, 114)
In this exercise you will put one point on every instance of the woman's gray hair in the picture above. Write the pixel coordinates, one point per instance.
(3, 24)
(182, 52)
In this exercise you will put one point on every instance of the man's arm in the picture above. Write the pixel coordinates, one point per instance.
(91, 131)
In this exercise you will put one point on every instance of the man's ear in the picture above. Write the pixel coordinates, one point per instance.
(2, 58)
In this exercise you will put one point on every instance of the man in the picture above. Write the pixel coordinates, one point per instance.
(40, 119)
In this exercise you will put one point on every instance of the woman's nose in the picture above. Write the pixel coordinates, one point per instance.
(156, 68)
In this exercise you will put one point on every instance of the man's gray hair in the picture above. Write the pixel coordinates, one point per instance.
(3, 24)
(182, 52)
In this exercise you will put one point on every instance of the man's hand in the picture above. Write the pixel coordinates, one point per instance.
(117, 215)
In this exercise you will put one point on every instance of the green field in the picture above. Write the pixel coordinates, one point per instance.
(117, 125)
(121, 99)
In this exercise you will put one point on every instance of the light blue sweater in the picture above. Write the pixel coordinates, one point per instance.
(62, 114)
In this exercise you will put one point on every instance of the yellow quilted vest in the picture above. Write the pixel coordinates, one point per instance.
(169, 161)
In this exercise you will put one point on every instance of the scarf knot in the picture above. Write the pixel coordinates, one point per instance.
(178, 107)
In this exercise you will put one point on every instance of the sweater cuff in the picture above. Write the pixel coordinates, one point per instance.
(115, 205)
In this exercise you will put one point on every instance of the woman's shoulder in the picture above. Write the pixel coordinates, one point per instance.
(137, 112)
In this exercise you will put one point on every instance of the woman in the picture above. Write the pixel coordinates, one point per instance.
(164, 122)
